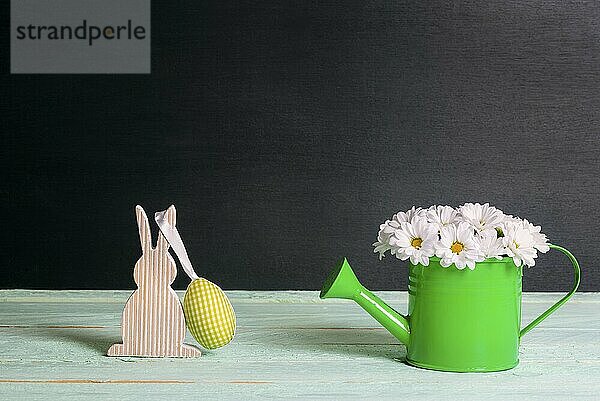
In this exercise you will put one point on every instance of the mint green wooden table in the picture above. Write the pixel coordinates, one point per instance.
(288, 344)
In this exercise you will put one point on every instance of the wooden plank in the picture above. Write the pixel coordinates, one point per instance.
(288, 344)
(243, 296)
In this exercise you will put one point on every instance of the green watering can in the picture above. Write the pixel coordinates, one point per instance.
(458, 320)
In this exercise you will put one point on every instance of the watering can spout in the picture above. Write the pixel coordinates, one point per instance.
(342, 283)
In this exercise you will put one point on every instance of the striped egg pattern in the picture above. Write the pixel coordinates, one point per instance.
(209, 315)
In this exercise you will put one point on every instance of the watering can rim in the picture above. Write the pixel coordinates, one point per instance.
(505, 259)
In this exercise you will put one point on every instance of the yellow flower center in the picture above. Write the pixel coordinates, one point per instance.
(416, 243)
(457, 247)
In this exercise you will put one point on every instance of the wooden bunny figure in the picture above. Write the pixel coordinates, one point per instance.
(153, 323)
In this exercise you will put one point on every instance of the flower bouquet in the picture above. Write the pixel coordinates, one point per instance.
(461, 236)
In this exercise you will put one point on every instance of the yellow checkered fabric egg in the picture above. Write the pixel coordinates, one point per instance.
(209, 315)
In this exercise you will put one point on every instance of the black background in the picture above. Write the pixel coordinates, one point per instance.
(286, 132)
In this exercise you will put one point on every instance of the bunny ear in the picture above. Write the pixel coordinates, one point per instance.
(170, 216)
(143, 229)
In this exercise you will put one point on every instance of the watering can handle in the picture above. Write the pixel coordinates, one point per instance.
(564, 299)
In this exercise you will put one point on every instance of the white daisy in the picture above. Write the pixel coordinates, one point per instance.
(409, 215)
(511, 218)
(381, 247)
(387, 229)
(441, 216)
(415, 240)
(540, 241)
(519, 244)
(481, 217)
(490, 245)
(458, 245)
(506, 221)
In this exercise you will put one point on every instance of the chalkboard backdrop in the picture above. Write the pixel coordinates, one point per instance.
(286, 132)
